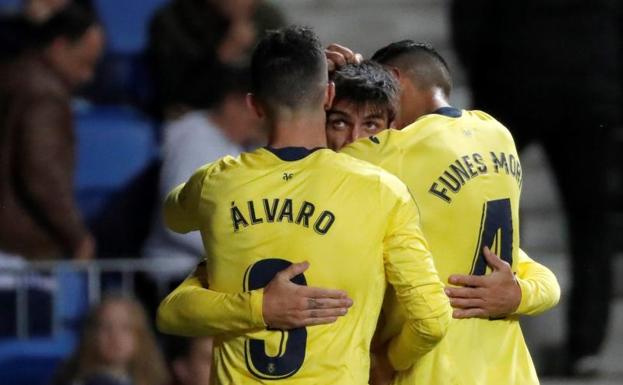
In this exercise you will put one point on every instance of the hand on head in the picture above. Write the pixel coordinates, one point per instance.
(338, 56)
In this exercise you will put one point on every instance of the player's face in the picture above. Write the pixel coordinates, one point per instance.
(348, 121)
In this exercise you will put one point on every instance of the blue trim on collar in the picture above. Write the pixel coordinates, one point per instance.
(450, 112)
(290, 154)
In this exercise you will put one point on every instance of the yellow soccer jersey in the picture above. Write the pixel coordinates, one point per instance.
(357, 226)
(463, 170)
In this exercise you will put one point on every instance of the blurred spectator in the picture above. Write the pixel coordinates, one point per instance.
(218, 124)
(41, 10)
(15, 36)
(190, 360)
(38, 215)
(550, 71)
(116, 347)
(186, 33)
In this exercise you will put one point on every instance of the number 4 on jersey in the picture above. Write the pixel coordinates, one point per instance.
(496, 231)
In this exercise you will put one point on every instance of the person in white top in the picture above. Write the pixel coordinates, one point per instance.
(191, 140)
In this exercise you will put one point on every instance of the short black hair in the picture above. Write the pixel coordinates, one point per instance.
(367, 83)
(426, 67)
(71, 22)
(288, 68)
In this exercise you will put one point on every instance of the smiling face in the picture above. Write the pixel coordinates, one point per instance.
(348, 121)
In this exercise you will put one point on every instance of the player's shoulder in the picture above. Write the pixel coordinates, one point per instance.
(217, 167)
(486, 119)
(385, 141)
(369, 172)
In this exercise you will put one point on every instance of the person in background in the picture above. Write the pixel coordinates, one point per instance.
(38, 214)
(117, 347)
(38, 11)
(190, 360)
(184, 34)
(551, 71)
(218, 124)
(18, 21)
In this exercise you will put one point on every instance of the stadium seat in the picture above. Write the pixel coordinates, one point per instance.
(33, 361)
(126, 22)
(115, 145)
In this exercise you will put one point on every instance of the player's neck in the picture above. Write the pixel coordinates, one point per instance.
(437, 100)
(423, 103)
(304, 130)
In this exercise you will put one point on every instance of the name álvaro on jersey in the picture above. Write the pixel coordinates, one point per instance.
(279, 211)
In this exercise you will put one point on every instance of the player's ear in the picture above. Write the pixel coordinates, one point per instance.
(329, 95)
(395, 71)
(392, 124)
(254, 106)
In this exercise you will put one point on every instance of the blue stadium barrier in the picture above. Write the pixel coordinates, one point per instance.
(115, 144)
(33, 361)
(126, 23)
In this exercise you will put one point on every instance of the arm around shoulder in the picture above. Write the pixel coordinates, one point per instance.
(193, 310)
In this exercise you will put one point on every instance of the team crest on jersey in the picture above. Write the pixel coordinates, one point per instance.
(271, 368)
(374, 139)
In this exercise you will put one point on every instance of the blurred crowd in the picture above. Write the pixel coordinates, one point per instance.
(190, 79)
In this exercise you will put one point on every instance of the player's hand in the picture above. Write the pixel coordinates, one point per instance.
(381, 371)
(288, 305)
(494, 295)
(338, 56)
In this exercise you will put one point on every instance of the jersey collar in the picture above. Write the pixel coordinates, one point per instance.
(290, 154)
(450, 112)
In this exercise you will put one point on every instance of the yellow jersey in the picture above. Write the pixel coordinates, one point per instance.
(358, 227)
(463, 170)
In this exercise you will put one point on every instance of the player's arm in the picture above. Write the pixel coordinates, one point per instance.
(410, 270)
(540, 290)
(182, 205)
(193, 309)
(533, 290)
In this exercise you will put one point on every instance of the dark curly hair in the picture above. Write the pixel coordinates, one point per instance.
(368, 83)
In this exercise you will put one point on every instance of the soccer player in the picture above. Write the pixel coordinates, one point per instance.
(364, 105)
(294, 201)
(463, 169)
(366, 102)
